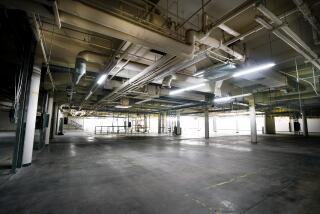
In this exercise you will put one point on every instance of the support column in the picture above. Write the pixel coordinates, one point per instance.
(237, 125)
(145, 123)
(164, 122)
(178, 123)
(50, 112)
(60, 123)
(214, 124)
(304, 124)
(253, 124)
(206, 123)
(31, 117)
(159, 123)
(269, 124)
(55, 120)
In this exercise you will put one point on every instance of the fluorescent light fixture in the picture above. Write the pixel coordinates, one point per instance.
(102, 79)
(88, 96)
(254, 69)
(226, 99)
(186, 89)
(123, 107)
(199, 73)
(143, 101)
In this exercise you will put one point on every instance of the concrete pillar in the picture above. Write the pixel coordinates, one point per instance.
(253, 124)
(178, 123)
(55, 120)
(214, 124)
(304, 124)
(237, 124)
(159, 123)
(145, 123)
(206, 123)
(164, 122)
(31, 117)
(269, 124)
(50, 112)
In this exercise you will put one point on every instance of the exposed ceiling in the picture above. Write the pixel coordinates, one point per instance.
(148, 48)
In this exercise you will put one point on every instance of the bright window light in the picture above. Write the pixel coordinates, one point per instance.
(123, 107)
(254, 69)
(102, 79)
(186, 89)
(226, 99)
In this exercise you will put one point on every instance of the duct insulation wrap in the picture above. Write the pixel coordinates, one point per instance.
(79, 71)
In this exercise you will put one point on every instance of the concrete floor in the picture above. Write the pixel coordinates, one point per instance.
(7, 139)
(88, 174)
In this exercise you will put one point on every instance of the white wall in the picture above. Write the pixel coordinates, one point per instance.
(314, 125)
(89, 123)
(282, 124)
(193, 126)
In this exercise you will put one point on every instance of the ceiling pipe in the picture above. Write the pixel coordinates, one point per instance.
(56, 14)
(232, 14)
(307, 50)
(82, 59)
(44, 54)
(284, 38)
(193, 36)
(125, 46)
(313, 21)
(142, 78)
(79, 71)
(99, 21)
(166, 82)
(228, 30)
(257, 29)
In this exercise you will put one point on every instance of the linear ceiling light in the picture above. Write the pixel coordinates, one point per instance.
(186, 89)
(87, 97)
(226, 99)
(121, 106)
(102, 79)
(254, 69)
(198, 73)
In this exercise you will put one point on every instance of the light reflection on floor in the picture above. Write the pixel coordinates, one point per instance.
(218, 145)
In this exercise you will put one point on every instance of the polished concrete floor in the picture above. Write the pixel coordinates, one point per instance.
(83, 173)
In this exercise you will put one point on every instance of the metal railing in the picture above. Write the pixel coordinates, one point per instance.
(120, 130)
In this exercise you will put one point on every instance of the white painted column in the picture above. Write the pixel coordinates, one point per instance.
(55, 121)
(304, 124)
(237, 125)
(178, 123)
(206, 123)
(159, 123)
(145, 123)
(31, 116)
(214, 123)
(50, 111)
(253, 124)
(60, 122)
(164, 122)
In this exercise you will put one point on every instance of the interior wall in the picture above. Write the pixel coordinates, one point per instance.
(193, 126)
(89, 124)
(282, 124)
(314, 125)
